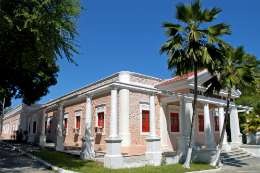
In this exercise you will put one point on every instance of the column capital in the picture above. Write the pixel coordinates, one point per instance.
(61, 103)
(220, 105)
(114, 87)
(188, 100)
(151, 93)
(163, 104)
(89, 95)
(204, 102)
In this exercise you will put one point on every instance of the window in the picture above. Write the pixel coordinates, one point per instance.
(144, 118)
(174, 122)
(216, 122)
(145, 121)
(101, 119)
(34, 127)
(65, 123)
(77, 121)
(201, 123)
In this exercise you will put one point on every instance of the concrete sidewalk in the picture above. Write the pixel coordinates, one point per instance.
(12, 161)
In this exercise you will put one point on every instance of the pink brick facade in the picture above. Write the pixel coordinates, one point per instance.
(139, 86)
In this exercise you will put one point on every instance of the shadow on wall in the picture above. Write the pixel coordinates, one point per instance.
(98, 139)
(76, 137)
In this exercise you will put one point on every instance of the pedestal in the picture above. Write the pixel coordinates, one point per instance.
(87, 149)
(153, 150)
(59, 143)
(30, 138)
(42, 140)
(257, 138)
(183, 144)
(250, 138)
(166, 148)
(226, 147)
(113, 158)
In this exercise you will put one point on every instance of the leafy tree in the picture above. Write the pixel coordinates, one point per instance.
(234, 70)
(191, 48)
(33, 35)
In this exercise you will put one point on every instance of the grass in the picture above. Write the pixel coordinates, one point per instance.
(70, 162)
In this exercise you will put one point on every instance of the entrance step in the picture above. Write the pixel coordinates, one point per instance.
(234, 155)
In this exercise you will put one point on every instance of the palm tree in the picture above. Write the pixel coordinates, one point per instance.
(191, 48)
(237, 67)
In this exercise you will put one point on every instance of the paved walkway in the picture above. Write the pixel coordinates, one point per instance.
(12, 161)
(243, 166)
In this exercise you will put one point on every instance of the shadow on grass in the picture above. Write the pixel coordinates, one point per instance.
(70, 162)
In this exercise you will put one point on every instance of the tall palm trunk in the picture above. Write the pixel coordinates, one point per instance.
(188, 154)
(216, 158)
(1, 119)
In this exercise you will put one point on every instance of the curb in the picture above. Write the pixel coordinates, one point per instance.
(39, 160)
(206, 171)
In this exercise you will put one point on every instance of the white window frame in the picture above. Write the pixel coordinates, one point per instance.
(215, 113)
(16, 127)
(35, 119)
(11, 128)
(200, 112)
(65, 115)
(78, 113)
(144, 106)
(48, 119)
(101, 108)
(174, 109)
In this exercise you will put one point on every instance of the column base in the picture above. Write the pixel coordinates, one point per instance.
(153, 149)
(30, 138)
(226, 147)
(113, 158)
(183, 144)
(257, 138)
(42, 140)
(165, 149)
(126, 139)
(208, 147)
(235, 145)
(87, 149)
(59, 143)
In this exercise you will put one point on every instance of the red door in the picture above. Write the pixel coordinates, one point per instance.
(201, 123)
(78, 122)
(216, 120)
(101, 119)
(65, 123)
(174, 122)
(145, 121)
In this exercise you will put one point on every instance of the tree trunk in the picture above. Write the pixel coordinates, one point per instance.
(1, 123)
(192, 132)
(216, 158)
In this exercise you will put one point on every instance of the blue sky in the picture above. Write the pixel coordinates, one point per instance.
(126, 35)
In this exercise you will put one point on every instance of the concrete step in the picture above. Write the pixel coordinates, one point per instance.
(234, 155)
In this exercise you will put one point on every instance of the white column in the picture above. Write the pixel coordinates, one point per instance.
(212, 127)
(87, 149)
(189, 114)
(31, 136)
(221, 118)
(207, 128)
(24, 125)
(43, 136)
(183, 139)
(235, 130)
(59, 138)
(113, 157)
(124, 117)
(153, 141)
(164, 145)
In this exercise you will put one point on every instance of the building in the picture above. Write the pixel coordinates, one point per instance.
(130, 113)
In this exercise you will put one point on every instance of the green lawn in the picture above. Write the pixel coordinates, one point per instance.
(73, 163)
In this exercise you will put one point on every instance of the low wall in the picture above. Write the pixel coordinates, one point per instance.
(255, 149)
(203, 156)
